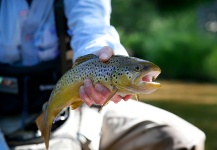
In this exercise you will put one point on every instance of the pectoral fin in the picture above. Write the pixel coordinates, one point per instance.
(108, 100)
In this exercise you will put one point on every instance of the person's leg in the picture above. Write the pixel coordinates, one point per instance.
(89, 128)
(63, 138)
(60, 143)
(147, 126)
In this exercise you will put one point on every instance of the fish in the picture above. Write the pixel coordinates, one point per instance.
(122, 75)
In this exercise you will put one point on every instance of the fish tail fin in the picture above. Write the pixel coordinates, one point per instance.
(45, 128)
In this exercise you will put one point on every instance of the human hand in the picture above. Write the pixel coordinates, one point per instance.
(98, 94)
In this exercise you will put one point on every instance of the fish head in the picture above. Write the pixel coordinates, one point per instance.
(135, 76)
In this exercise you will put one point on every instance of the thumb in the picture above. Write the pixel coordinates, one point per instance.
(105, 53)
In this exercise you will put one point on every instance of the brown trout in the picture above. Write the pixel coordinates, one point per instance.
(120, 74)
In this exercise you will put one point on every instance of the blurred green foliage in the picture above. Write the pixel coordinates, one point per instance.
(168, 37)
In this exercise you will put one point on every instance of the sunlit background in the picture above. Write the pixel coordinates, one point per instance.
(181, 38)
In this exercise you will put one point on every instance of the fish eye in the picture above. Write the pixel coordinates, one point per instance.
(137, 68)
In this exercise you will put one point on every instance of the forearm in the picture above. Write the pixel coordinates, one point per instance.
(89, 24)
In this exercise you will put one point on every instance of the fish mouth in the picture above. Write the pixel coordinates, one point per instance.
(150, 76)
(144, 84)
(147, 85)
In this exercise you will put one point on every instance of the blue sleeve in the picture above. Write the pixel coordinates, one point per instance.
(89, 24)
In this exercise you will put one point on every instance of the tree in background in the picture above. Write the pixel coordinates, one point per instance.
(168, 33)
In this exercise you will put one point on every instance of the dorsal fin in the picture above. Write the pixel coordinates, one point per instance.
(84, 58)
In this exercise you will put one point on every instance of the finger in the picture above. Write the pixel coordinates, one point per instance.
(105, 53)
(116, 99)
(127, 97)
(102, 90)
(92, 93)
(86, 99)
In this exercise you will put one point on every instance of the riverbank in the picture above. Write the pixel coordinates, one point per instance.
(202, 93)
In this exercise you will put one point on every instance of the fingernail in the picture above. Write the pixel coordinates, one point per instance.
(87, 82)
(99, 87)
(104, 56)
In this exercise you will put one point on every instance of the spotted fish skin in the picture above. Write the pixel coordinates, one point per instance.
(120, 74)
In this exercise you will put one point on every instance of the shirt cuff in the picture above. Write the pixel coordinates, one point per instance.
(85, 42)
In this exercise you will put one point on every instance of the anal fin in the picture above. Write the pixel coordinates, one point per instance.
(75, 104)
